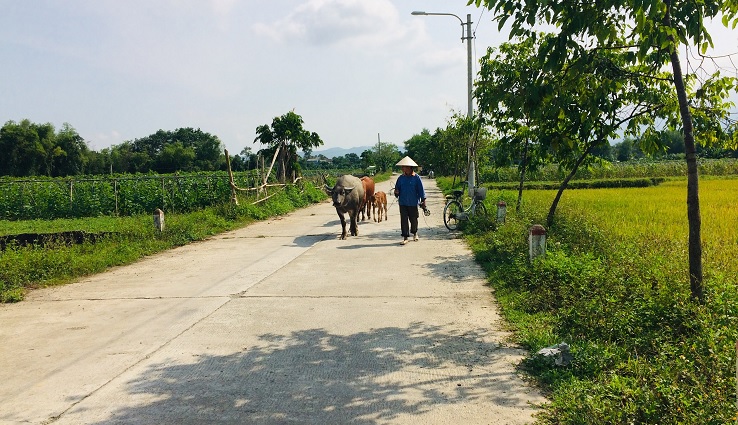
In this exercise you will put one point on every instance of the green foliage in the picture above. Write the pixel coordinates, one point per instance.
(384, 156)
(24, 199)
(129, 239)
(608, 171)
(586, 184)
(31, 149)
(184, 149)
(445, 152)
(644, 351)
(287, 134)
(653, 37)
(38, 150)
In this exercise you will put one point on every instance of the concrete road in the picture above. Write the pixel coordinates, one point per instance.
(279, 322)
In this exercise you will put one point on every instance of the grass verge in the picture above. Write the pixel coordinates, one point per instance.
(643, 351)
(28, 267)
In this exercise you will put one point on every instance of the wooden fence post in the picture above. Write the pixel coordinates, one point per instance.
(232, 183)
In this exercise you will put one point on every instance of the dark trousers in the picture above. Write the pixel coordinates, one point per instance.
(408, 220)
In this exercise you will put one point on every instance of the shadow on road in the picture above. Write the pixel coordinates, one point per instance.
(306, 241)
(314, 376)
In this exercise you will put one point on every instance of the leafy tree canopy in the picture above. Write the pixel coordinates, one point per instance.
(288, 134)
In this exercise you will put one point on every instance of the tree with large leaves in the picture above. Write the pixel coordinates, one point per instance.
(651, 32)
(508, 97)
(288, 135)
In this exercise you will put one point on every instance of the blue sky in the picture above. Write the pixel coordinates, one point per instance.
(353, 69)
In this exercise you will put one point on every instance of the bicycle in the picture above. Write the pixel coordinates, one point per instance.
(454, 211)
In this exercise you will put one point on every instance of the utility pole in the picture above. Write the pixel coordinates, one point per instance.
(471, 175)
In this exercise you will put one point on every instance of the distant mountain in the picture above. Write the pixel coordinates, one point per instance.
(333, 152)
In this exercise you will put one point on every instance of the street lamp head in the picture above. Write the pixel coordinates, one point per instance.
(417, 12)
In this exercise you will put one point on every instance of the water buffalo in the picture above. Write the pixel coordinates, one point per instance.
(347, 194)
(368, 199)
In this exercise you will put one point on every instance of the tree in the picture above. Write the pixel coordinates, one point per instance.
(23, 154)
(125, 158)
(627, 149)
(596, 94)
(385, 155)
(75, 152)
(175, 157)
(46, 147)
(367, 158)
(33, 149)
(288, 135)
(420, 148)
(508, 97)
(207, 149)
(651, 32)
(249, 158)
(350, 161)
(463, 136)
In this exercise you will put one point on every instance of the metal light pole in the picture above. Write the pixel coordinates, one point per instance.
(469, 92)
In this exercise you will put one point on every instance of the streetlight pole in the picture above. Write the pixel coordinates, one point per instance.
(469, 83)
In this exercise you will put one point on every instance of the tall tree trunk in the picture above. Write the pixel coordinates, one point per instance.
(693, 192)
(283, 163)
(552, 210)
(522, 174)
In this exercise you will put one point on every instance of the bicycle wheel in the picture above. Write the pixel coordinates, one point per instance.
(451, 215)
(480, 210)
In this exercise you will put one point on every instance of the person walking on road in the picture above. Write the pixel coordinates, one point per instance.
(409, 191)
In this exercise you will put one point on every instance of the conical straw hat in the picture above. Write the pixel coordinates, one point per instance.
(406, 162)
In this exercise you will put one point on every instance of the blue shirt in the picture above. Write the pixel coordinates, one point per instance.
(411, 190)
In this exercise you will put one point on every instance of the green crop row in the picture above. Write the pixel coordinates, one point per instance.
(28, 199)
(619, 170)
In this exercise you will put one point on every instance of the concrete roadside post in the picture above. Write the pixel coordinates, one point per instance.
(159, 220)
(537, 241)
(501, 211)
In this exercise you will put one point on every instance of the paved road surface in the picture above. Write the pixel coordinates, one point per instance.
(279, 322)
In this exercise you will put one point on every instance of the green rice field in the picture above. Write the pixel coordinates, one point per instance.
(614, 286)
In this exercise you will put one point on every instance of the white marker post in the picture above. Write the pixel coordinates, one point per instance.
(159, 220)
(537, 241)
(501, 211)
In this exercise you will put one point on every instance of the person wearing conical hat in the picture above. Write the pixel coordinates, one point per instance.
(409, 193)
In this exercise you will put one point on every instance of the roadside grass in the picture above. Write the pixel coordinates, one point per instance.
(131, 238)
(614, 285)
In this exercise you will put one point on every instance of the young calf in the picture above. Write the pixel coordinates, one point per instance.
(380, 201)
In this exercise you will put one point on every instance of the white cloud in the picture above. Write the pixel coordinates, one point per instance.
(357, 23)
(99, 141)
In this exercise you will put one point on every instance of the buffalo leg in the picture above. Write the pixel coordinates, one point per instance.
(354, 223)
(343, 225)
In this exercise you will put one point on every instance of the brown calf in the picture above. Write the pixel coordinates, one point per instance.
(368, 199)
(380, 202)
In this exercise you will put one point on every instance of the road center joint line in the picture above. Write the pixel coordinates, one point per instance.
(389, 297)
